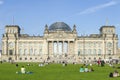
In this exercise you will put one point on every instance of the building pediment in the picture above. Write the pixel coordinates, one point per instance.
(60, 35)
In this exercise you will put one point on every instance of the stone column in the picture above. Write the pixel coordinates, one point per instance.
(3, 45)
(17, 47)
(15, 50)
(33, 49)
(105, 50)
(62, 47)
(24, 49)
(57, 47)
(52, 47)
(48, 48)
(68, 46)
(114, 51)
(6, 46)
(29, 49)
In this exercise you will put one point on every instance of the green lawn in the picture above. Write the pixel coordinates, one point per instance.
(54, 72)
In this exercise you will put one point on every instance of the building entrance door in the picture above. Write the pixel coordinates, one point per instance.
(10, 52)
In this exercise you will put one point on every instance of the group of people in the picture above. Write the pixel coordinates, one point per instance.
(114, 74)
(64, 63)
(23, 70)
(101, 63)
(41, 65)
(86, 69)
(83, 68)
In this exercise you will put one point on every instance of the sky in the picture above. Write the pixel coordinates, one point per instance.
(33, 15)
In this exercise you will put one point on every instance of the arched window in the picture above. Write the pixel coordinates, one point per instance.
(94, 44)
(35, 52)
(31, 51)
(109, 44)
(85, 51)
(11, 44)
(99, 51)
(89, 51)
(78, 45)
(40, 51)
(94, 51)
(78, 52)
(25, 51)
(20, 51)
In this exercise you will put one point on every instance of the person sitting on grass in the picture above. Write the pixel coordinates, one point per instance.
(16, 65)
(81, 69)
(111, 74)
(91, 69)
(86, 69)
(23, 70)
(115, 73)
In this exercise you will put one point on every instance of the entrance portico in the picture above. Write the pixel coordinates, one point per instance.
(60, 47)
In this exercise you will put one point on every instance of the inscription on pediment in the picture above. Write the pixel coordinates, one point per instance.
(60, 35)
(57, 36)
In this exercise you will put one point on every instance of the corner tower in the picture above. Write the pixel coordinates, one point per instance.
(9, 42)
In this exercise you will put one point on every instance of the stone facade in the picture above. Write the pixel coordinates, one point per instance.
(59, 43)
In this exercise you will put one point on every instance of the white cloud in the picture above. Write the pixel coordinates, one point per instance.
(1, 2)
(96, 8)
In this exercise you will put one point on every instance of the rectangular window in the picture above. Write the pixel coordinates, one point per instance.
(10, 52)
(109, 52)
(78, 53)
(40, 51)
(99, 52)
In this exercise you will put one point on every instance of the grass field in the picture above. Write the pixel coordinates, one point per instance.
(54, 72)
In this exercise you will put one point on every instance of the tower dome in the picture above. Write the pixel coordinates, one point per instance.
(59, 26)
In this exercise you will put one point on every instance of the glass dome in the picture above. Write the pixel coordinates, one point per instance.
(59, 26)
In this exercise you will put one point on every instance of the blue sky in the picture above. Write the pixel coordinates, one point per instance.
(33, 15)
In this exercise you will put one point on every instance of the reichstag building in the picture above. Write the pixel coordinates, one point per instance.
(59, 43)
